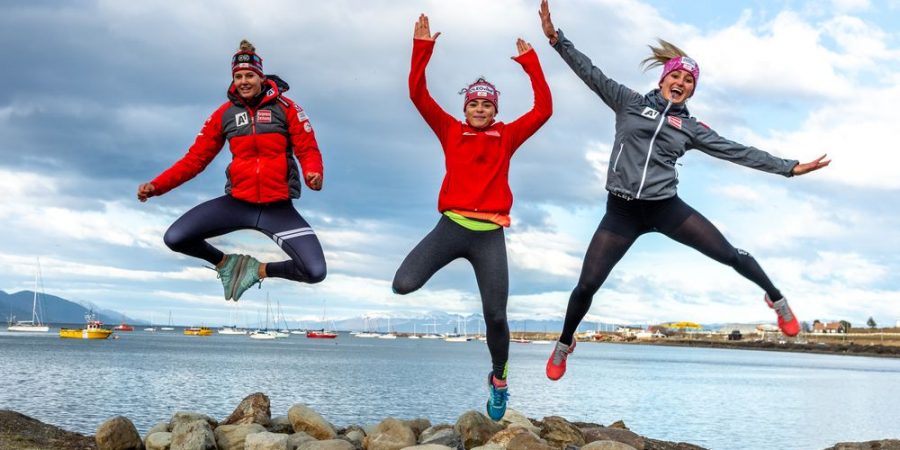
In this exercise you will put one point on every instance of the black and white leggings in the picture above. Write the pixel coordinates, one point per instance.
(486, 251)
(625, 221)
(278, 220)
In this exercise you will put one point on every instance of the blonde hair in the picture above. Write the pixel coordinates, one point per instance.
(246, 46)
(661, 55)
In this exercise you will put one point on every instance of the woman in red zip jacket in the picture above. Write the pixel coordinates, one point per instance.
(265, 131)
(475, 198)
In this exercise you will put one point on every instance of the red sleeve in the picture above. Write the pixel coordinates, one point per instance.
(206, 146)
(437, 118)
(303, 141)
(523, 127)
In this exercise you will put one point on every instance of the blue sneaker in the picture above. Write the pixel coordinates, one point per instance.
(226, 273)
(247, 275)
(498, 396)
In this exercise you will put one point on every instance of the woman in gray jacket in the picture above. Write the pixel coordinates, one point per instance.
(652, 132)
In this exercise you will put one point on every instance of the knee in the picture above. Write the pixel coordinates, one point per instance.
(585, 290)
(317, 273)
(174, 239)
(738, 258)
(494, 319)
(403, 285)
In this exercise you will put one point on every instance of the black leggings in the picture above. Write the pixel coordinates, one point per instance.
(625, 221)
(486, 250)
(278, 220)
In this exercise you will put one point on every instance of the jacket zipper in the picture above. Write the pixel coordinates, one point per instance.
(662, 118)
(616, 164)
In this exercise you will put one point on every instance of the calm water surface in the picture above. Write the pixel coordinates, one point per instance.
(720, 399)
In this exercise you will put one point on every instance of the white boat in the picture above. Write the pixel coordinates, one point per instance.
(262, 334)
(456, 337)
(232, 331)
(169, 327)
(414, 335)
(34, 325)
(389, 334)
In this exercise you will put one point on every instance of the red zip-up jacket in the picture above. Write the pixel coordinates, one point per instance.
(477, 160)
(263, 140)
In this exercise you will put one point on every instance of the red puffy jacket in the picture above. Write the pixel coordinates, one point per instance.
(263, 141)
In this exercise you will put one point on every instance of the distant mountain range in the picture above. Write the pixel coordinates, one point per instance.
(53, 309)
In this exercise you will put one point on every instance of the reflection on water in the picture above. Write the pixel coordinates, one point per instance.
(721, 399)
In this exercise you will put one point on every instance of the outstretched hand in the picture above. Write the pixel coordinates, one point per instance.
(546, 23)
(816, 164)
(423, 31)
(522, 46)
(145, 191)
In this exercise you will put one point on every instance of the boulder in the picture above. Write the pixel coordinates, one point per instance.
(253, 409)
(188, 416)
(475, 428)
(613, 434)
(884, 444)
(488, 447)
(196, 435)
(330, 444)
(390, 434)
(527, 441)
(653, 444)
(444, 435)
(514, 417)
(160, 440)
(280, 424)
(503, 437)
(160, 427)
(607, 445)
(558, 432)
(118, 433)
(266, 441)
(418, 425)
(427, 447)
(295, 440)
(618, 424)
(303, 418)
(355, 435)
(232, 437)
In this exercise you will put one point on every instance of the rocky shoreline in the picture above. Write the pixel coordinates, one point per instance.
(252, 427)
(850, 348)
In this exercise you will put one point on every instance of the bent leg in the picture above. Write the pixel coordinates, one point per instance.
(436, 250)
(488, 258)
(213, 218)
(284, 225)
(700, 234)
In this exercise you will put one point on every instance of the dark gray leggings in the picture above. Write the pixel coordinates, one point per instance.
(486, 251)
(625, 221)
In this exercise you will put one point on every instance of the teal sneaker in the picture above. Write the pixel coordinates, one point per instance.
(226, 273)
(497, 398)
(247, 275)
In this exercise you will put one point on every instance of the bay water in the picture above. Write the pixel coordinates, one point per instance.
(716, 398)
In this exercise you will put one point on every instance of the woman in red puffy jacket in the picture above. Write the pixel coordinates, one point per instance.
(267, 134)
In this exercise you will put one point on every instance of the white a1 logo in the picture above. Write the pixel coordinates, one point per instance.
(650, 113)
(241, 119)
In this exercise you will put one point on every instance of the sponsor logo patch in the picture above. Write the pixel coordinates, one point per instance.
(301, 115)
(307, 127)
(494, 133)
(241, 119)
(674, 121)
(650, 113)
(264, 116)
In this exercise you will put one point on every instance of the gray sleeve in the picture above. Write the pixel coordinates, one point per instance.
(612, 93)
(708, 141)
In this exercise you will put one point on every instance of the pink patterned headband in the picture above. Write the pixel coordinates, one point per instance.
(681, 63)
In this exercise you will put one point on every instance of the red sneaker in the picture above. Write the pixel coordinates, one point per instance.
(556, 364)
(787, 321)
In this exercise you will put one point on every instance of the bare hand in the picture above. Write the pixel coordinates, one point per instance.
(522, 46)
(816, 164)
(145, 191)
(423, 31)
(314, 181)
(547, 24)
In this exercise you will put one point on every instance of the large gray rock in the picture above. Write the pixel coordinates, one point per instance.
(266, 441)
(232, 437)
(527, 441)
(160, 440)
(330, 444)
(442, 435)
(607, 445)
(254, 408)
(355, 435)
(475, 428)
(427, 447)
(295, 440)
(503, 437)
(118, 433)
(280, 424)
(558, 432)
(622, 435)
(418, 425)
(196, 435)
(160, 427)
(514, 417)
(653, 444)
(390, 434)
(884, 444)
(189, 416)
(303, 418)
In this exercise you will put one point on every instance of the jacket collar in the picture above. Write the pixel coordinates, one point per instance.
(659, 102)
(271, 88)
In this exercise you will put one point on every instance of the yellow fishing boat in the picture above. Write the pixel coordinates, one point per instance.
(198, 331)
(93, 329)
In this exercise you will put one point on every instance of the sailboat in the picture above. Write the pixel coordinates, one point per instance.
(323, 333)
(264, 333)
(456, 337)
(34, 325)
(169, 327)
(434, 334)
(414, 335)
(232, 329)
(389, 334)
(366, 333)
(284, 331)
(521, 339)
(151, 328)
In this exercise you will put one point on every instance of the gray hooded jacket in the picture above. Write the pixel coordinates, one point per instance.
(652, 133)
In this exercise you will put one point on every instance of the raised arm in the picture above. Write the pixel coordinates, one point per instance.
(526, 125)
(612, 93)
(423, 46)
(709, 142)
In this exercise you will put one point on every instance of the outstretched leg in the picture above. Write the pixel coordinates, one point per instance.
(442, 245)
(284, 225)
(212, 218)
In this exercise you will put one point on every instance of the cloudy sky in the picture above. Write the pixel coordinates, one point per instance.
(103, 95)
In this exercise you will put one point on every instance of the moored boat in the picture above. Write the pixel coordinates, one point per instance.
(123, 327)
(198, 331)
(93, 329)
(320, 334)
